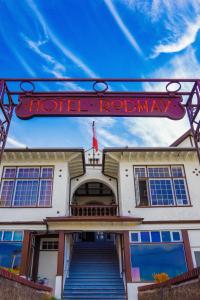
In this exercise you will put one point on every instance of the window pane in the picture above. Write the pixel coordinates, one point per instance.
(7, 236)
(26, 193)
(158, 172)
(28, 173)
(180, 192)
(166, 237)
(45, 193)
(177, 171)
(176, 236)
(197, 258)
(10, 255)
(47, 172)
(18, 236)
(145, 236)
(161, 192)
(9, 173)
(6, 192)
(155, 236)
(143, 193)
(147, 260)
(140, 172)
(49, 245)
(1, 235)
(134, 237)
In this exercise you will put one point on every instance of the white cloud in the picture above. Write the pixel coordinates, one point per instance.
(57, 42)
(157, 131)
(111, 139)
(103, 125)
(186, 39)
(122, 26)
(11, 142)
(179, 20)
(52, 66)
(36, 45)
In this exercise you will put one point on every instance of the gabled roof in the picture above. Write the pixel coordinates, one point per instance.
(187, 134)
(74, 156)
(113, 156)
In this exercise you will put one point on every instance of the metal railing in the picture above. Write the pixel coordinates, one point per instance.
(94, 210)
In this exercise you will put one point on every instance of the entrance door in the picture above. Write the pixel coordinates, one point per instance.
(88, 237)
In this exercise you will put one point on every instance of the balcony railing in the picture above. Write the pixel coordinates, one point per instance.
(94, 210)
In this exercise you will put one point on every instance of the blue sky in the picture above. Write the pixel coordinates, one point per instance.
(98, 38)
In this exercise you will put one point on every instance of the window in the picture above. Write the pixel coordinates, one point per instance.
(154, 252)
(11, 236)
(26, 186)
(93, 161)
(49, 245)
(155, 236)
(160, 186)
(197, 258)
(10, 249)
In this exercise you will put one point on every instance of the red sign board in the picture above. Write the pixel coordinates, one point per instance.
(109, 104)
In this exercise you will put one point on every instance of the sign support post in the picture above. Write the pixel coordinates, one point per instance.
(6, 111)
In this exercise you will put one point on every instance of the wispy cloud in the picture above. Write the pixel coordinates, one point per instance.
(110, 139)
(162, 132)
(122, 26)
(103, 129)
(12, 142)
(180, 21)
(36, 45)
(185, 40)
(51, 65)
(107, 132)
(68, 53)
(17, 54)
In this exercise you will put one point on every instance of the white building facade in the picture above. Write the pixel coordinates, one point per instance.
(98, 226)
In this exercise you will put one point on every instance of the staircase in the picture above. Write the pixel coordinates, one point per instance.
(94, 273)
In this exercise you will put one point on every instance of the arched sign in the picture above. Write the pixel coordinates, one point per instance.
(108, 104)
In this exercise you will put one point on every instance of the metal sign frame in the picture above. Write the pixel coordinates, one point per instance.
(13, 90)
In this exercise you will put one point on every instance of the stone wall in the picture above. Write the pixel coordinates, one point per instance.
(13, 287)
(183, 287)
(185, 291)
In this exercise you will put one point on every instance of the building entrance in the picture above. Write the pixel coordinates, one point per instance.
(95, 268)
(91, 236)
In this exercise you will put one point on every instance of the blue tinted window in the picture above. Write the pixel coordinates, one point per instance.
(145, 237)
(155, 236)
(10, 255)
(28, 172)
(176, 236)
(177, 171)
(180, 192)
(166, 237)
(161, 192)
(0, 235)
(7, 236)
(26, 193)
(147, 260)
(134, 237)
(18, 236)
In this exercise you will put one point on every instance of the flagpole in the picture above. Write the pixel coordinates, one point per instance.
(92, 139)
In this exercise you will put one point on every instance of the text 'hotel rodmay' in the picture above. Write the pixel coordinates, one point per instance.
(98, 226)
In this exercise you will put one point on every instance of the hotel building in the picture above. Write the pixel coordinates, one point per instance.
(98, 226)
